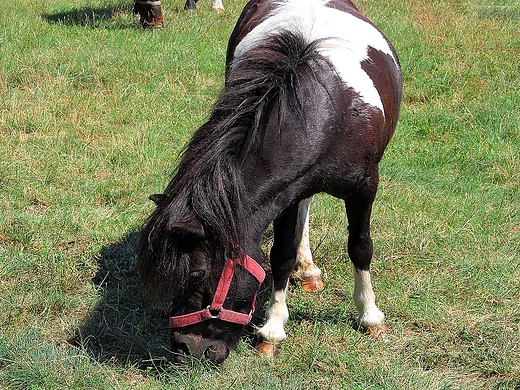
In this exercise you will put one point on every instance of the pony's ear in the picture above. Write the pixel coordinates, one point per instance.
(157, 198)
(190, 228)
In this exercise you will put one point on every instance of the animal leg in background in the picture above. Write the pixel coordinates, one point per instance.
(150, 13)
(216, 6)
(191, 5)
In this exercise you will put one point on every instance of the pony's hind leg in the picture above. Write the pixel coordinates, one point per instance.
(283, 259)
(305, 271)
(359, 207)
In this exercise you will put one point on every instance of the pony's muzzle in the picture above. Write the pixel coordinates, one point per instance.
(186, 345)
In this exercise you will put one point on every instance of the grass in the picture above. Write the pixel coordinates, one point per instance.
(93, 115)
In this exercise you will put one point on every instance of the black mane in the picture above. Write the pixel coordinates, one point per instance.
(207, 185)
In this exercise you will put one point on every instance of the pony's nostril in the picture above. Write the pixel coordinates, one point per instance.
(181, 353)
(181, 349)
(184, 349)
(211, 355)
(216, 355)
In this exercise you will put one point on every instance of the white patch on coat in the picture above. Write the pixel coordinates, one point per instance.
(346, 46)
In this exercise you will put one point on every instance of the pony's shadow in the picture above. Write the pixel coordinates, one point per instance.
(120, 328)
(93, 17)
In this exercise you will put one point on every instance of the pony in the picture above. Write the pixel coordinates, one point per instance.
(310, 102)
(150, 11)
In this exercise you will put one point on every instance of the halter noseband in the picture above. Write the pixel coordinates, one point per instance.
(215, 309)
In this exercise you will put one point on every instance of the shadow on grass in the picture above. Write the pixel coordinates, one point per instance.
(332, 313)
(119, 328)
(95, 17)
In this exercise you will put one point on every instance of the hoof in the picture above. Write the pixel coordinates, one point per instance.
(378, 333)
(218, 10)
(268, 349)
(312, 283)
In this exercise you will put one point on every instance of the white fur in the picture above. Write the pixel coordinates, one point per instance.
(364, 298)
(304, 265)
(347, 47)
(216, 5)
(277, 315)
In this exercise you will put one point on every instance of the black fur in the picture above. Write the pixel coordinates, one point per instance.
(208, 185)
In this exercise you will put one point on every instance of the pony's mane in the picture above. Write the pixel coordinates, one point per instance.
(207, 185)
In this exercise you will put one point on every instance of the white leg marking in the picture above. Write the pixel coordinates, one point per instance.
(364, 298)
(217, 6)
(304, 267)
(277, 315)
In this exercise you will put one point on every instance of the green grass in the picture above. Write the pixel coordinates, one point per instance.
(93, 115)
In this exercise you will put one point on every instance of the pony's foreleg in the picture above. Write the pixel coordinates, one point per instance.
(272, 333)
(370, 318)
(283, 259)
(216, 5)
(305, 271)
(359, 208)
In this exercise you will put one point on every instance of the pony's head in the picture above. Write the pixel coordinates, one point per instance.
(150, 13)
(208, 287)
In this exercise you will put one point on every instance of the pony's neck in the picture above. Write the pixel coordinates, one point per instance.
(261, 207)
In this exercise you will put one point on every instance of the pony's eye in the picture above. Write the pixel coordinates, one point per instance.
(197, 275)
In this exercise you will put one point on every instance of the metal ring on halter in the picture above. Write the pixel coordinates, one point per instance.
(150, 3)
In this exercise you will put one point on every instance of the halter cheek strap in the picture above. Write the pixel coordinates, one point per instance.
(215, 309)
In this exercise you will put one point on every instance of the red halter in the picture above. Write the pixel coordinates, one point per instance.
(215, 310)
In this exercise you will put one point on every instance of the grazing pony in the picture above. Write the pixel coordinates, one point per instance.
(311, 100)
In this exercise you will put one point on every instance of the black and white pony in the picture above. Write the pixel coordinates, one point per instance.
(311, 100)
(150, 11)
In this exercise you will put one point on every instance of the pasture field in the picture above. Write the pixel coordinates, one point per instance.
(94, 113)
